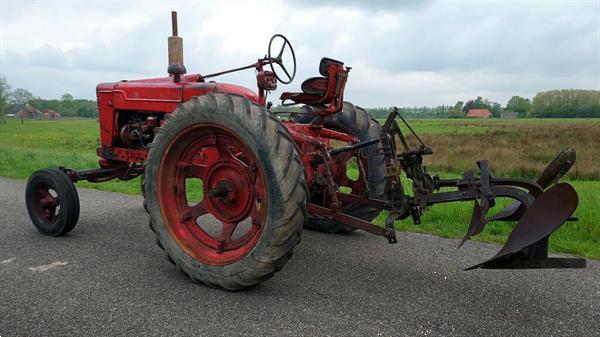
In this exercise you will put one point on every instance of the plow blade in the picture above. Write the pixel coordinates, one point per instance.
(477, 223)
(511, 212)
(556, 169)
(527, 244)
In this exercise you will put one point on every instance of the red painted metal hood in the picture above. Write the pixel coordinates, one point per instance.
(133, 93)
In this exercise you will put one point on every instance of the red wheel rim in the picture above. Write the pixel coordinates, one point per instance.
(357, 186)
(339, 171)
(233, 189)
(46, 204)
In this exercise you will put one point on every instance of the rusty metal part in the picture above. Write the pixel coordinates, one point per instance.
(351, 221)
(174, 22)
(555, 170)
(121, 172)
(527, 244)
(477, 223)
(352, 198)
(353, 147)
(558, 167)
(175, 50)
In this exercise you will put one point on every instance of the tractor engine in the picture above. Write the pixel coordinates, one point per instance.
(136, 129)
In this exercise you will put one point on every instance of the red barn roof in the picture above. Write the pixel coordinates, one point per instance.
(28, 112)
(479, 113)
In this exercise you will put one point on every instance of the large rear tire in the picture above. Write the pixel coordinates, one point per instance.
(251, 175)
(358, 122)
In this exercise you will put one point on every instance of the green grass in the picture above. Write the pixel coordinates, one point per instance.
(25, 148)
(476, 125)
(518, 148)
(36, 144)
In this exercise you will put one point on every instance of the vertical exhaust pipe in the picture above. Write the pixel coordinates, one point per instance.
(176, 67)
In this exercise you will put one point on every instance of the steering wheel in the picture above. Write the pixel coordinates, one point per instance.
(279, 60)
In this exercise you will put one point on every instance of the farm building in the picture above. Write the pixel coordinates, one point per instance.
(50, 114)
(29, 112)
(479, 113)
(509, 114)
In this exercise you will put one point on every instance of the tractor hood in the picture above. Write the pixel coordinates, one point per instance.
(163, 94)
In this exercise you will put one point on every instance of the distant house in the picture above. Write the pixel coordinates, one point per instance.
(29, 112)
(50, 114)
(509, 114)
(479, 113)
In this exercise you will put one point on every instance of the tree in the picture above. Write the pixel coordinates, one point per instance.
(457, 111)
(68, 106)
(20, 96)
(478, 103)
(566, 103)
(495, 108)
(4, 90)
(66, 97)
(519, 104)
(468, 106)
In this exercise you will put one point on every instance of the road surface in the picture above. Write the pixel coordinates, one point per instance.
(108, 278)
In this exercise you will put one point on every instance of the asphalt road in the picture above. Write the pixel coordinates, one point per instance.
(107, 278)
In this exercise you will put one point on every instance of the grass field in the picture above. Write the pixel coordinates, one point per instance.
(514, 148)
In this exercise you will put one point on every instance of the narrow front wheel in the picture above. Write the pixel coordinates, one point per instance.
(52, 202)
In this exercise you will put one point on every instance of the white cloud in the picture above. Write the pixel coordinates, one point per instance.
(401, 54)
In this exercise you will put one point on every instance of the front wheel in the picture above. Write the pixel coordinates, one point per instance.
(52, 202)
(226, 191)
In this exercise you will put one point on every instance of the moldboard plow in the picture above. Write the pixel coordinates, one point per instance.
(229, 183)
(540, 207)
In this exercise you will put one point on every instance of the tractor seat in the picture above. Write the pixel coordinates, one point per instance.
(315, 86)
(315, 89)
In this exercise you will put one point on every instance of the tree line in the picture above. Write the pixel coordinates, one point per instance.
(12, 101)
(568, 103)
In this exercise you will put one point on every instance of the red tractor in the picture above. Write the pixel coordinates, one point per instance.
(229, 185)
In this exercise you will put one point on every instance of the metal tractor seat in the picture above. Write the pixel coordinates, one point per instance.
(322, 92)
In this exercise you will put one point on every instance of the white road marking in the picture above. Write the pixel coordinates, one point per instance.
(48, 266)
(8, 260)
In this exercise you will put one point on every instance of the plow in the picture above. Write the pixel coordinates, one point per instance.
(229, 183)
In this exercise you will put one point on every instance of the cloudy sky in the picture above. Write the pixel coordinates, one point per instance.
(401, 53)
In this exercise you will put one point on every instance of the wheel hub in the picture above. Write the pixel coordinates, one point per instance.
(229, 190)
(234, 194)
(47, 203)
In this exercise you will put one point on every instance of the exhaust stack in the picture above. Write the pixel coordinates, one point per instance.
(176, 67)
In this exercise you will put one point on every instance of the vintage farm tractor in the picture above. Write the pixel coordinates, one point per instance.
(229, 185)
